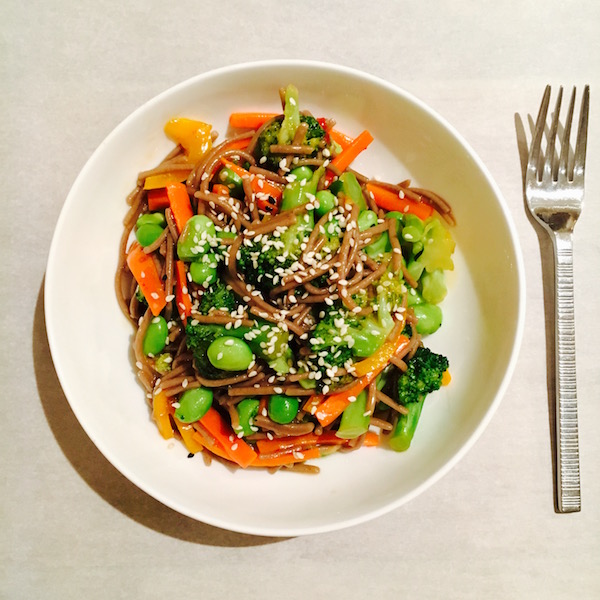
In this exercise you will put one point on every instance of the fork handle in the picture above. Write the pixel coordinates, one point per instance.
(567, 438)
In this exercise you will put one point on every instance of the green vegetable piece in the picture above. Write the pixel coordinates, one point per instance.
(366, 219)
(438, 246)
(352, 190)
(336, 187)
(148, 234)
(433, 287)
(232, 180)
(404, 432)
(155, 338)
(226, 235)
(415, 269)
(204, 272)
(155, 218)
(283, 409)
(291, 116)
(247, 409)
(429, 318)
(354, 422)
(413, 297)
(298, 193)
(197, 237)
(162, 363)
(194, 404)
(327, 202)
(302, 173)
(413, 229)
(230, 354)
(379, 247)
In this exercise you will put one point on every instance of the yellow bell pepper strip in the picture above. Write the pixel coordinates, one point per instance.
(446, 378)
(155, 182)
(180, 204)
(343, 160)
(236, 449)
(186, 431)
(194, 137)
(249, 120)
(391, 201)
(367, 370)
(182, 296)
(144, 271)
(161, 411)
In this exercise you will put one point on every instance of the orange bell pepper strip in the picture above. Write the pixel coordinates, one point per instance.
(236, 449)
(183, 298)
(145, 273)
(367, 370)
(343, 160)
(180, 204)
(158, 199)
(390, 200)
(249, 120)
(161, 411)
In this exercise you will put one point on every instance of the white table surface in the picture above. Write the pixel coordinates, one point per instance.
(72, 526)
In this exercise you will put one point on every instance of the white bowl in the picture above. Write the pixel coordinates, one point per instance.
(483, 313)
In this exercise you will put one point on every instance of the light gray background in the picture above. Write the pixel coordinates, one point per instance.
(72, 526)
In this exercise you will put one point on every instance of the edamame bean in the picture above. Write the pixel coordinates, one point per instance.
(230, 354)
(155, 218)
(302, 173)
(283, 409)
(193, 405)
(195, 238)
(366, 219)
(380, 246)
(204, 272)
(233, 181)
(247, 409)
(327, 202)
(415, 269)
(429, 318)
(433, 286)
(413, 229)
(155, 338)
(148, 234)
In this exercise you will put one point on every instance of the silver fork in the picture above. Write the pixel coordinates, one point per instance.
(554, 192)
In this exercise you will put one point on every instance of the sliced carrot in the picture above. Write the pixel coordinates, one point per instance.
(182, 296)
(249, 120)
(144, 271)
(343, 160)
(161, 411)
(371, 439)
(186, 431)
(340, 138)
(220, 189)
(240, 144)
(180, 204)
(289, 458)
(211, 447)
(267, 446)
(160, 181)
(390, 200)
(158, 199)
(236, 449)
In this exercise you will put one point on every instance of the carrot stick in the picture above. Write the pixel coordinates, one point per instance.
(343, 160)
(371, 439)
(214, 447)
(297, 441)
(161, 409)
(262, 187)
(249, 120)
(220, 189)
(145, 273)
(158, 199)
(288, 458)
(340, 138)
(390, 200)
(182, 296)
(180, 204)
(159, 181)
(239, 144)
(236, 449)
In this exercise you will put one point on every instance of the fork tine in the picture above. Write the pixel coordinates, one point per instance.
(548, 163)
(536, 141)
(563, 163)
(579, 162)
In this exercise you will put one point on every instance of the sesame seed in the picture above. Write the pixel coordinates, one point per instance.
(278, 390)
(184, 383)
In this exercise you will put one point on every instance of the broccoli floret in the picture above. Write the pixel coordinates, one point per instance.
(423, 375)
(198, 338)
(162, 363)
(218, 296)
(269, 137)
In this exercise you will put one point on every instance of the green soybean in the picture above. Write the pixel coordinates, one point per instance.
(433, 286)
(413, 229)
(327, 202)
(230, 354)
(429, 318)
(193, 405)
(196, 238)
(155, 218)
(155, 338)
(366, 219)
(148, 234)
(204, 272)
(233, 181)
(380, 246)
(247, 409)
(283, 409)
(302, 173)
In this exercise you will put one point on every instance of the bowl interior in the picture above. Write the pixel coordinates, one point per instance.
(90, 338)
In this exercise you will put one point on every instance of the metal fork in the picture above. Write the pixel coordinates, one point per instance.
(554, 192)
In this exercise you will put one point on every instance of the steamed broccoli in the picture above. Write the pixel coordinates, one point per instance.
(423, 375)
(218, 296)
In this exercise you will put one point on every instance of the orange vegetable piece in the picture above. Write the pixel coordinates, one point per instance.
(180, 204)
(390, 200)
(194, 136)
(145, 273)
(161, 411)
